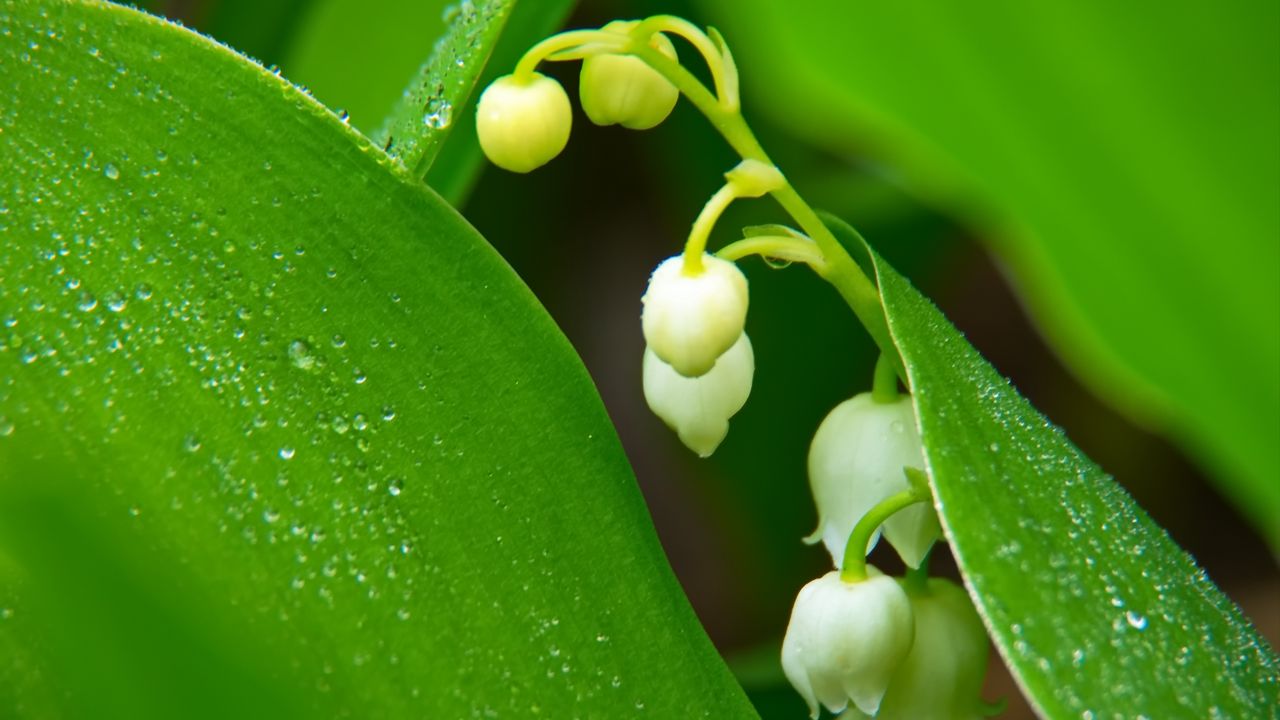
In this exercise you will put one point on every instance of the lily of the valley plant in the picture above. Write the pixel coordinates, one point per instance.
(858, 640)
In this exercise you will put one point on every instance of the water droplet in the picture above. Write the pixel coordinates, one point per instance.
(286, 453)
(142, 292)
(388, 413)
(1136, 621)
(439, 114)
(87, 302)
(6, 426)
(191, 443)
(395, 486)
(111, 171)
(300, 355)
(116, 302)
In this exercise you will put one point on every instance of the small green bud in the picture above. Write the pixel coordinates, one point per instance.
(698, 409)
(522, 125)
(856, 461)
(623, 90)
(942, 677)
(690, 318)
(846, 640)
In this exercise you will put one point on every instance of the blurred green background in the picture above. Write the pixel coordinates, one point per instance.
(1091, 192)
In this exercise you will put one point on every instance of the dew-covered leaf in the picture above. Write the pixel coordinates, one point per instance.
(1097, 612)
(270, 403)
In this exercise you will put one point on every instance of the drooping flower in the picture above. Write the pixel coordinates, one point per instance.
(692, 316)
(855, 462)
(942, 677)
(698, 409)
(523, 124)
(623, 90)
(845, 640)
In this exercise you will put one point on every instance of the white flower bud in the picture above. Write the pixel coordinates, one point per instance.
(692, 318)
(623, 90)
(523, 125)
(856, 461)
(845, 640)
(942, 677)
(698, 409)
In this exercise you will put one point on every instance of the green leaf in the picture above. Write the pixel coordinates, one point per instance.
(298, 424)
(1095, 609)
(1130, 181)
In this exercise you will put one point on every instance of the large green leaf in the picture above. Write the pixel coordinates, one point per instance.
(1125, 158)
(272, 404)
(1097, 612)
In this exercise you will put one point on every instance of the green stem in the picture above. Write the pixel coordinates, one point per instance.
(775, 246)
(711, 212)
(884, 383)
(853, 285)
(687, 30)
(564, 41)
(916, 580)
(854, 567)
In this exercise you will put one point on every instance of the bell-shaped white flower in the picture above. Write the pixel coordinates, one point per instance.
(698, 409)
(845, 640)
(691, 317)
(855, 462)
(623, 90)
(942, 677)
(521, 124)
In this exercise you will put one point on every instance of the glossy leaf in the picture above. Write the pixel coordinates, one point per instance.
(1097, 612)
(1130, 181)
(272, 403)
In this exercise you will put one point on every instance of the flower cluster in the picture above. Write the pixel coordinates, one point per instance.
(886, 650)
(910, 648)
